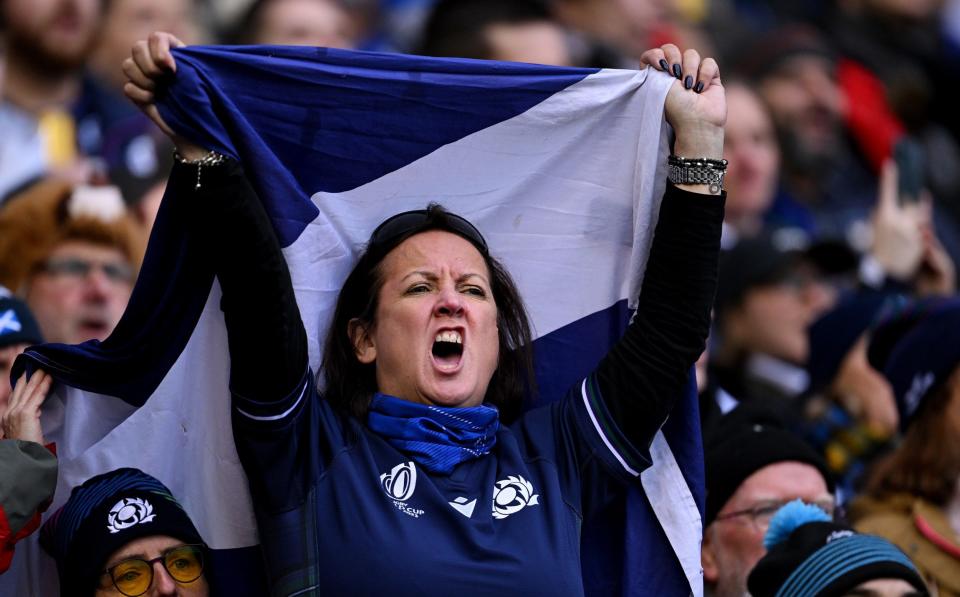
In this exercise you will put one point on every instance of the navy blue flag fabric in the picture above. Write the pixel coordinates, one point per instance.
(561, 169)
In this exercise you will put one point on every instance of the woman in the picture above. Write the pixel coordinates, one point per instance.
(400, 478)
(123, 533)
(912, 497)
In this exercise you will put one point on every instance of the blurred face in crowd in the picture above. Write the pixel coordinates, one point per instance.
(537, 42)
(55, 34)
(435, 338)
(807, 106)
(7, 355)
(750, 145)
(773, 319)
(884, 587)
(128, 21)
(918, 10)
(733, 545)
(149, 548)
(305, 23)
(80, 292)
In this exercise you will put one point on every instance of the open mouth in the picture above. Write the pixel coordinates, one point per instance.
(447, 349)
(94, 328)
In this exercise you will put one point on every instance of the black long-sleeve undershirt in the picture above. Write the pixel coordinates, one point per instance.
(640, 378)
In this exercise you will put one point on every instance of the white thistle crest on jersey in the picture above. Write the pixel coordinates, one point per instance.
(129, 512)
(511, 495)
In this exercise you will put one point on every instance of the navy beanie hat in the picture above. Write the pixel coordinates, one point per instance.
(811, 556)
(104, 514)
(17, 325)
(916, 349)
(744, 441)
(835, 332)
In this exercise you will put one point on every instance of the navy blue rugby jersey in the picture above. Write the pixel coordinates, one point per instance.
(342, 512)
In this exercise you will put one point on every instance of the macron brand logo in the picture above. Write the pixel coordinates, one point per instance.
(9, 324)
(399, 485)
(463, 506)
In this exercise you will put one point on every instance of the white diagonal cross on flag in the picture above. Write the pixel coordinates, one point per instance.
(9, 322)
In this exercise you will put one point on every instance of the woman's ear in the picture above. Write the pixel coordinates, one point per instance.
(363, 343)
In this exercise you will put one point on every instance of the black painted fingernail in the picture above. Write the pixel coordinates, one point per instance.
(698, 87)
(664, 65)
(688, 82)
(676, 71)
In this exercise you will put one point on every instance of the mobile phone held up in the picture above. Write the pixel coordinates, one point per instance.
(909, 156)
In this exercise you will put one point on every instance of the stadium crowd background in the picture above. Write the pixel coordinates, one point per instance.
(835, 322)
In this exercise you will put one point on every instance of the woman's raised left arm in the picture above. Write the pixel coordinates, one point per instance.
(645, 373)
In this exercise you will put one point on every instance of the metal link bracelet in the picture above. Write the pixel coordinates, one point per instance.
(681, 170)
(211, 158)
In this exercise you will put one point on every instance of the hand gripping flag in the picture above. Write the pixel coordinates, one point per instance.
(561, 169)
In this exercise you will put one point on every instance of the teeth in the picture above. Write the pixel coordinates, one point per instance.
(454, 337)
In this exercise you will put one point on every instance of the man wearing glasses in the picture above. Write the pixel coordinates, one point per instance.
(71, 254)
(123, 533)
(753, 467)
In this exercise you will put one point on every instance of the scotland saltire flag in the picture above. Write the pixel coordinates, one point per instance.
(561, 169)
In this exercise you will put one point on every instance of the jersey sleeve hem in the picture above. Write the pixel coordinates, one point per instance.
(274, 412)
(609, 443)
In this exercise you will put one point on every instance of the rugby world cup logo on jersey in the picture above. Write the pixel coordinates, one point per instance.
(129, 512)
(512, 495)
(399, 485)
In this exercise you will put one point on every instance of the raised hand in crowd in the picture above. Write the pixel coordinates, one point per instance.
(898, 227)
(22, 417)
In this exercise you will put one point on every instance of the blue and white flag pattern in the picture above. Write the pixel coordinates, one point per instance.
(561, 169)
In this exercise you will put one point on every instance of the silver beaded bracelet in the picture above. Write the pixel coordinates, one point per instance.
(211, 158)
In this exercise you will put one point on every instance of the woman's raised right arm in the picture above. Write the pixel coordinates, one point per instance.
(267, 341)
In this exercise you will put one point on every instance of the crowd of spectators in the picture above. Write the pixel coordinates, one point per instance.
(833, 369)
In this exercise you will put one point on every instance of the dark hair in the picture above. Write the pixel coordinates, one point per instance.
(350, 384)
(457, 28)
(926, 464)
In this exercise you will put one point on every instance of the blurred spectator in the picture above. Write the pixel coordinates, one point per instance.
(904, 43)
(913, 496)
(851, 415)
(753, 467)
(125, 22)
(62, 121)
(18, 330)
(47, 42)
(765, 300)
(811, 556)
(750, 146)
(826, 186)
(71, 254)
(123, 531)
(324, 23)
(512, 30)
(28, 470)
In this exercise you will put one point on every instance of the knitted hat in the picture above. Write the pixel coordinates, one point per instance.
(834, 333)
(104, 514)
(17, 325)
(810, 556)
(753, 262)
(49, 213)
(744, 441)
(916, 348)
